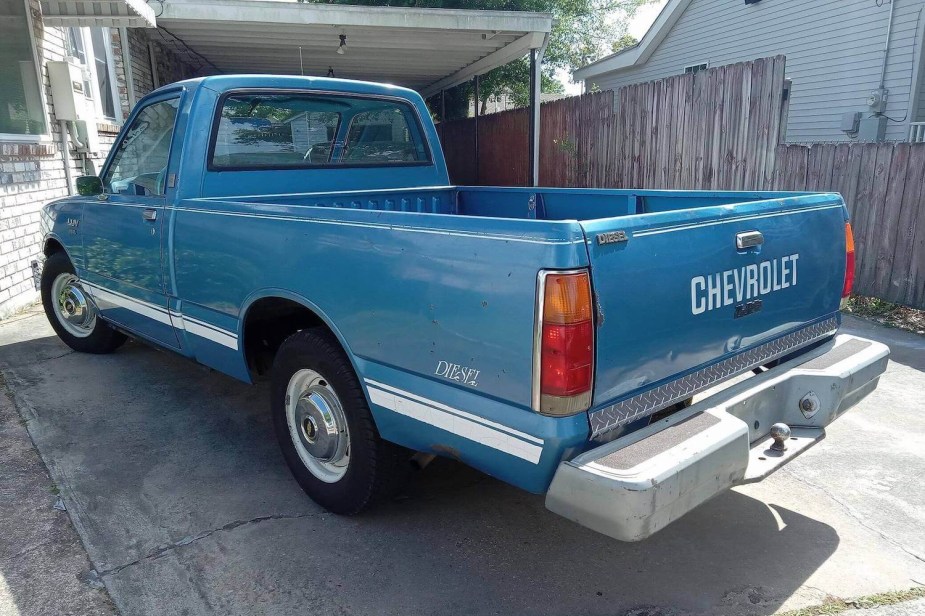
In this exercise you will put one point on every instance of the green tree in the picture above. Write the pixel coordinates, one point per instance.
(583, 31)
(624, 42)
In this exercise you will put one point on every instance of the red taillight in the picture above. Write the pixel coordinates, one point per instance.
(566, 344)
(849, 261)
(566, 359)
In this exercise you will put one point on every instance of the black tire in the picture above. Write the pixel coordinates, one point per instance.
(376, 468)
(102, 338)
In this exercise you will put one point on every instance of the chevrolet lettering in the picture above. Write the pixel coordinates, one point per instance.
(742, 284)
(315, 241)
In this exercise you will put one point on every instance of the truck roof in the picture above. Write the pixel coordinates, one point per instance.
(223, 83)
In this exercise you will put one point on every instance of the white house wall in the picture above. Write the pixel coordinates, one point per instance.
(834, 51)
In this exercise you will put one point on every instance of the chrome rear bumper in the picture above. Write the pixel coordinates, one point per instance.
(636, 485)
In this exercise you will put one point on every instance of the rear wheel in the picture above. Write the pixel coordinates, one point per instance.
(325, 428)
(71, 311)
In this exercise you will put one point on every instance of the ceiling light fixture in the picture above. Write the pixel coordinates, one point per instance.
(342, 48)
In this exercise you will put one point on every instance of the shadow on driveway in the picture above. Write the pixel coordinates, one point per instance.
(174, 480)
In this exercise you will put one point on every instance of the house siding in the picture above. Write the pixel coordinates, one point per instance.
(32, 174)
(834, 51)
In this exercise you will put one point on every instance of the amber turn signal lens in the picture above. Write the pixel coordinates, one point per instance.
(568, 299)
(849, 261)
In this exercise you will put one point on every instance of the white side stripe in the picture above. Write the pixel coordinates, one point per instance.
(161, 315)
(222, 338)
(142, 308)
(205, 330)
(455, 424)
(469, 416)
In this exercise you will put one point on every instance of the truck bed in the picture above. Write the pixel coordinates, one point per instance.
(675, 295)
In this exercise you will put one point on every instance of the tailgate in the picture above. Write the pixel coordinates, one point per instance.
(682, 306)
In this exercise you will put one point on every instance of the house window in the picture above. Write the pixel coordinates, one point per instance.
(21, 108)
(695, 68)
(91, 47)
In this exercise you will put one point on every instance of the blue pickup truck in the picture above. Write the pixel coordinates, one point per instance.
(629, 353)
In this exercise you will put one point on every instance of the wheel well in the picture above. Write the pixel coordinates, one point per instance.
(52, 246)
(268, 322)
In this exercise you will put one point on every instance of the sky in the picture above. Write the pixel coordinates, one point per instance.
(637, 26)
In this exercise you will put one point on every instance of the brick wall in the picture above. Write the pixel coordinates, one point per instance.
(30, 174)
(168, 64)
(33, 174)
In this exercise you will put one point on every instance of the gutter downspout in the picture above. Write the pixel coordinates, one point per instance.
(886, 45)
(66, 156)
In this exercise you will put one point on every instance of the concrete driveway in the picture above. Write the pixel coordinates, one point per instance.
(174, 482)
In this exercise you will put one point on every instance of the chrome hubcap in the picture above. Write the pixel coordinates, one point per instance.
(317, 425)
(74, 309)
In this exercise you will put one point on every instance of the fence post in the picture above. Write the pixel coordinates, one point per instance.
(476, 105)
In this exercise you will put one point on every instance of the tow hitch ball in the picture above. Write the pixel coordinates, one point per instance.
(780, 432)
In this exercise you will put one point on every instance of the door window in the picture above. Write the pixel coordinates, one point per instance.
(139, 165)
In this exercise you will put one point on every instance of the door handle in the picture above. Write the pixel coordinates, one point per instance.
(149, 214)
(749, 239)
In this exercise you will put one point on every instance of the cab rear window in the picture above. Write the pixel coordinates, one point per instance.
(281, 131)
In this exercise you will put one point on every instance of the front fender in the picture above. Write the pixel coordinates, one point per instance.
(60, 223)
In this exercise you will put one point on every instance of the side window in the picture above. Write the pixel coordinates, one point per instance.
(139, 165)
(285, 131)
(384, 134)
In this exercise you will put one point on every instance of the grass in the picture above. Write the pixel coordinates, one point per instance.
(833, 605)
(885, 313)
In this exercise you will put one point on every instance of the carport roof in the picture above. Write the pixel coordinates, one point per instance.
(424, 49)
(100, 13)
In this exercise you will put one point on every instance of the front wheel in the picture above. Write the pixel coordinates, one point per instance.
(325, 428)
(71, 311)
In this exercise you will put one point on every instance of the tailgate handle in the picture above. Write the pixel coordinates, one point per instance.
(749, 239)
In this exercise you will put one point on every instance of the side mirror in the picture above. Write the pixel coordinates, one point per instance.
(88, 185)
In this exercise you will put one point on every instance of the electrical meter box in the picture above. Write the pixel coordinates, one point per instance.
(850, 121)
(68, 90)
(872, 129)
(877, 100)
(72, 101)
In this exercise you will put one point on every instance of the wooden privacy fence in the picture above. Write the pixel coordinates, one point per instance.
(884, 188)
(719, 129)
(503, 157)
(713, 129)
